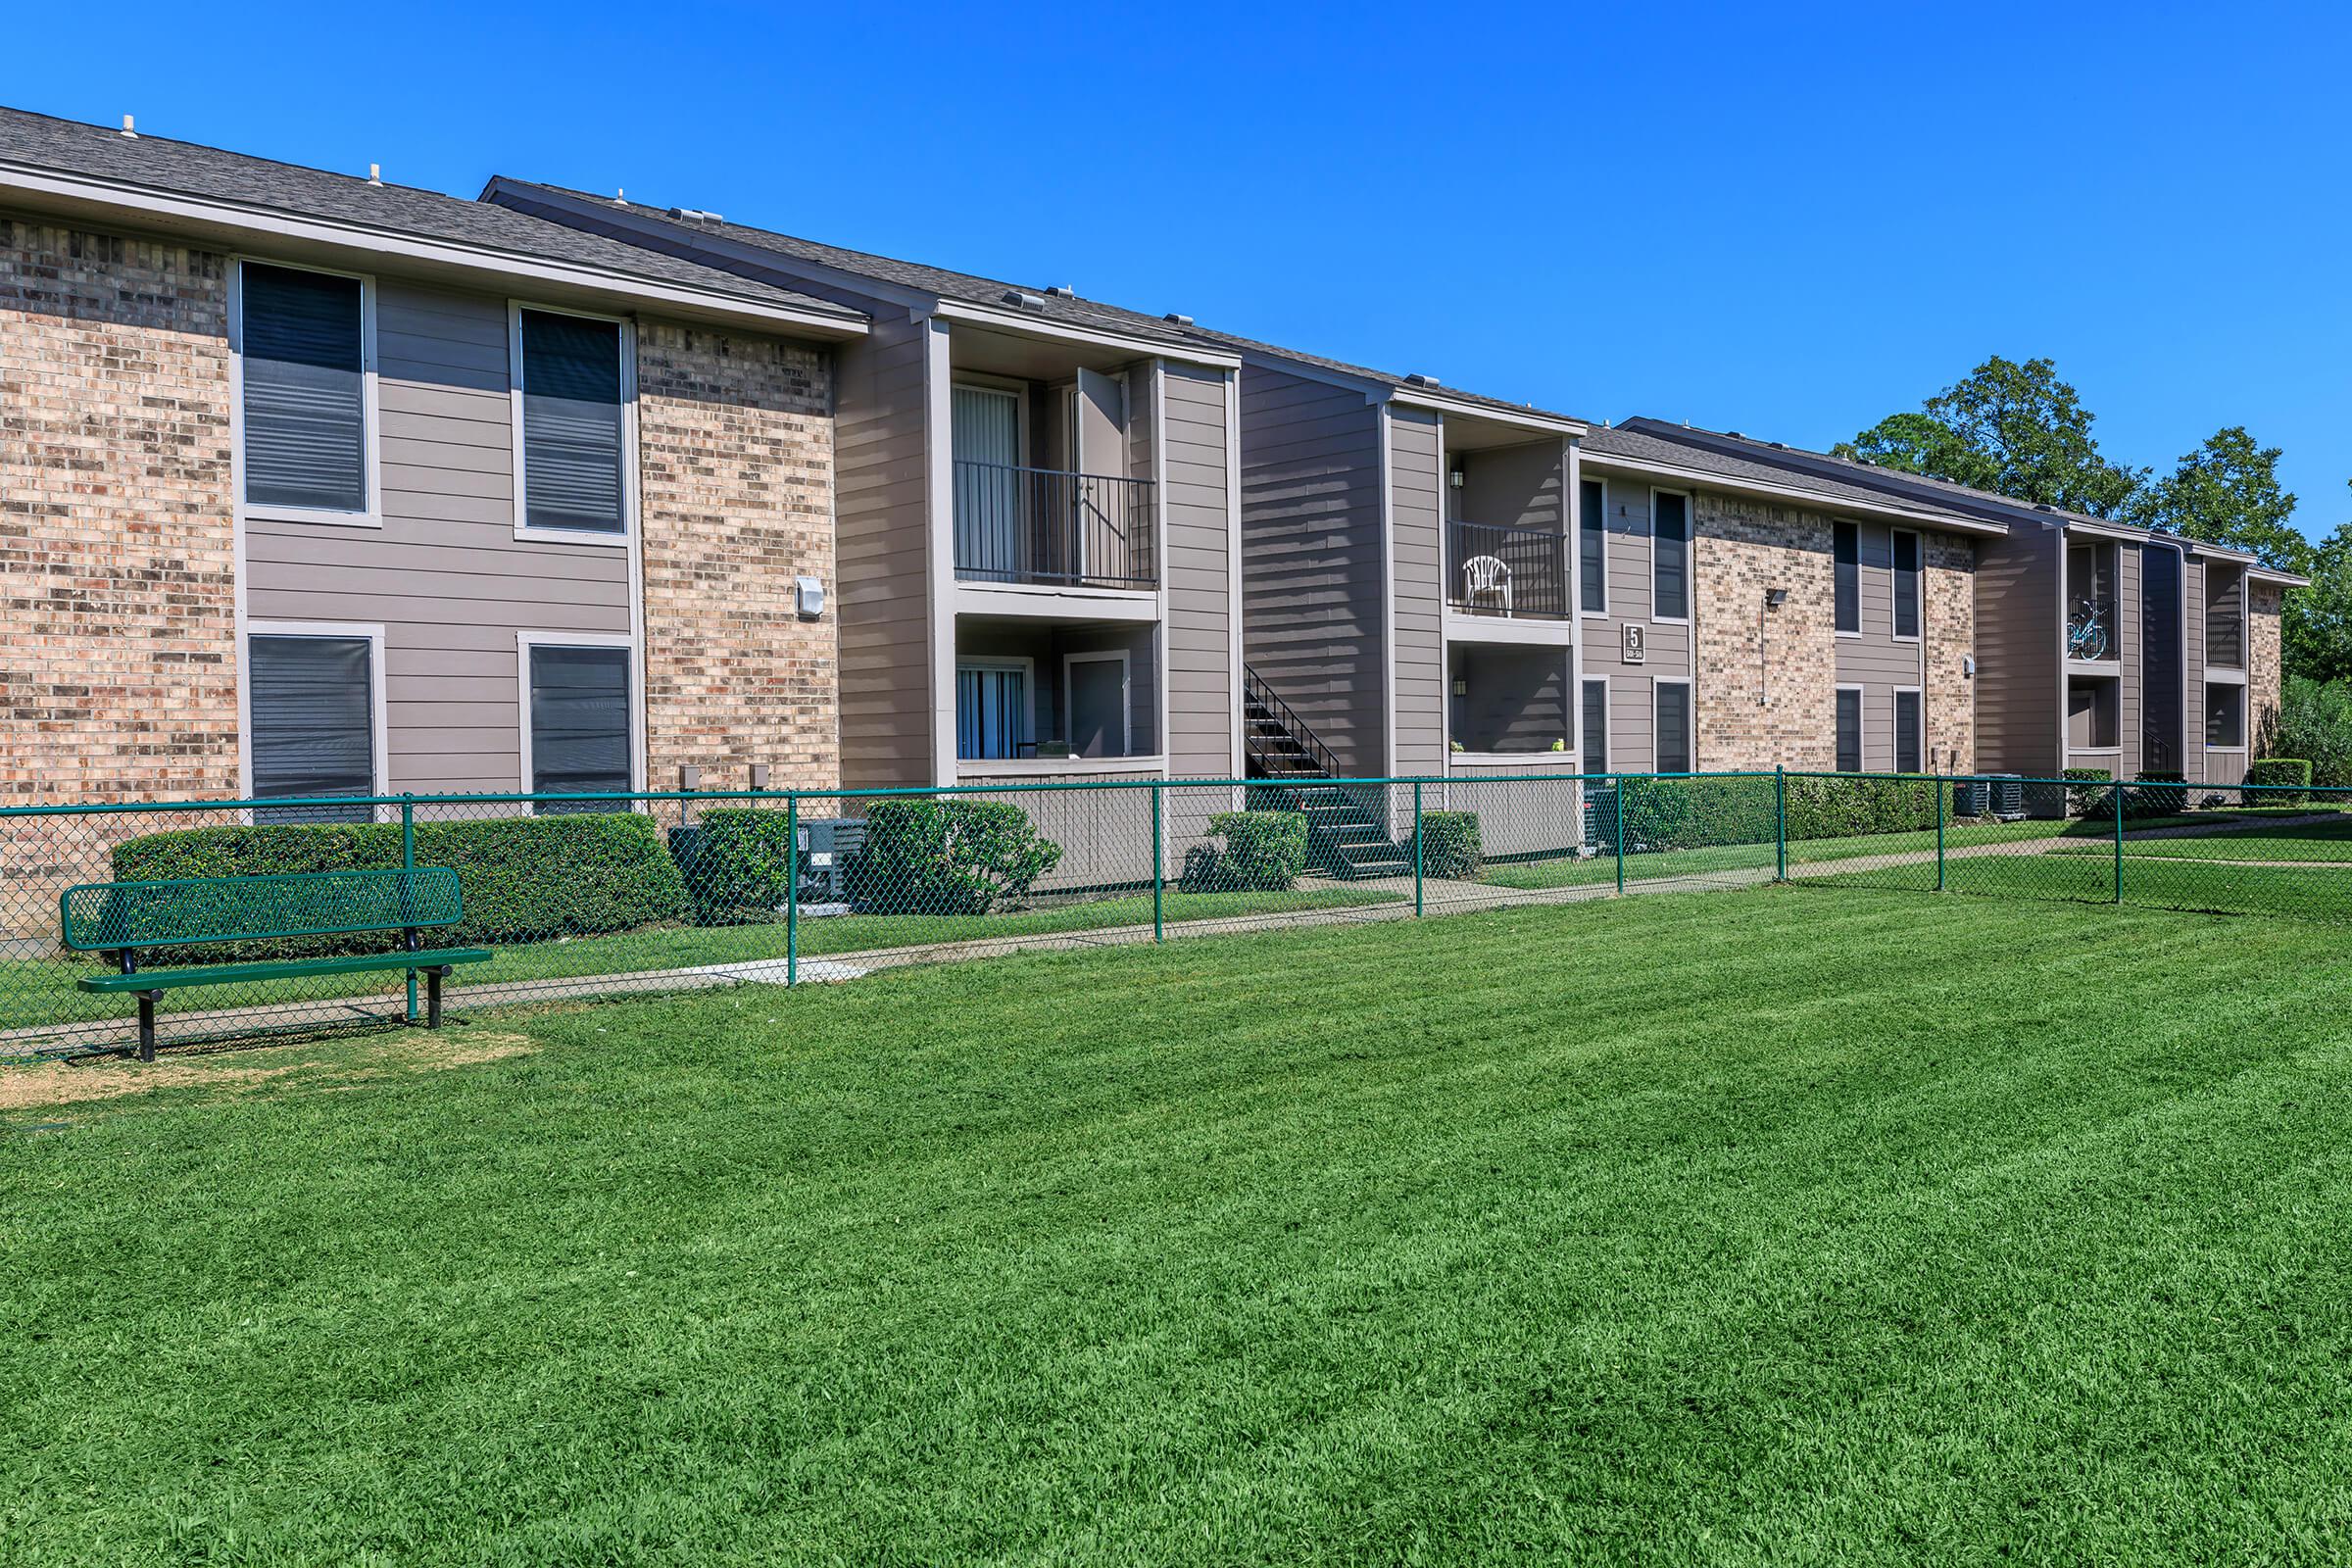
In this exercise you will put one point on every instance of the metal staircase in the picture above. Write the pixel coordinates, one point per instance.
(1347, 827)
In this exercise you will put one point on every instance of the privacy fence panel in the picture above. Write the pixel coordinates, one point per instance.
(605, 894)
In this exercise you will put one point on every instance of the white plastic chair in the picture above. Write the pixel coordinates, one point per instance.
(1487, 580)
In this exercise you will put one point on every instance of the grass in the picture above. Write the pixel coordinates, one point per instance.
(1730, 1228)
(1651, 865)
(41, 991)
(2330, 841)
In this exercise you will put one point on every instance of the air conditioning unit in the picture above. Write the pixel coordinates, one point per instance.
(827, 846)
(2008, 795)
(1971, 796)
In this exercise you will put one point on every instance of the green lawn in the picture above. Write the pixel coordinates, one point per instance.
(2315, 841)
(1728, 1228)
(1651, 865)
(41, 991)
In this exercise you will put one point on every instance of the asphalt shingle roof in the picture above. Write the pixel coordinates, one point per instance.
(157, 163)
(1651, 441)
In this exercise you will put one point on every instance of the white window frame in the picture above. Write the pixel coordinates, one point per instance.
(1603, 531)
(1861, 726)
(626, 539)
(1836, 523)
(372, 443)
(1028, 668)
(524, 642)
(1658, 683)
(378, 718)
(1894, 724)
(1689, 557)
(1608, 738)
(1126, 693)
(1894, 577)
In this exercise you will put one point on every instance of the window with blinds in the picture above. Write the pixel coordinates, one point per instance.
(1906, 584)
(1670, 558)
(1849, 731)
(579, 717)
(302, 345)
(573, 464)
(992, 710)
(1674, 728)
(1907, 732)
(1597, 727)
(1845, 554)
(312, 732)
(1593, 546)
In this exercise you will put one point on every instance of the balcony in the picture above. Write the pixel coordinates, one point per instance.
(2090, 630)
(1046, 528)
(1512, 572)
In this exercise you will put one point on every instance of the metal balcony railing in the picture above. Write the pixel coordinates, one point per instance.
(1041, 525)
(1506, 571)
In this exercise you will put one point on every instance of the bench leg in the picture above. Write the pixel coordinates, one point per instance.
(433, 996)
(147, 1002)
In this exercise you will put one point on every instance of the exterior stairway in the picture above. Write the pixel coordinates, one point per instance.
(1347, 827)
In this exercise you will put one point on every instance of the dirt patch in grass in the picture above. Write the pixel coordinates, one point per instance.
(93, 1078)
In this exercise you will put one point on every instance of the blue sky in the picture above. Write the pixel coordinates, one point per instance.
(1782, 220)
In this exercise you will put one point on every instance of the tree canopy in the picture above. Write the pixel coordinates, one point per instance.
(2014, 429)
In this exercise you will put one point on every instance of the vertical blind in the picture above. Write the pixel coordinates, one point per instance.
(1906, 584)
(579, 720)
(1846, 553)
(1597, 727)
(986, 433)
(1849, 732)
(1592, 543)
(1674, 729)
(313, 734)
(1906, 732)
(992, 708)
(1670, 572)
(571, 423)
(302, 361)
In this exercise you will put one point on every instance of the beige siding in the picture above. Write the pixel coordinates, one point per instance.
(1667, 646)
(2019, 621)
(1197, 574)
(882, 549)
(1416, 499)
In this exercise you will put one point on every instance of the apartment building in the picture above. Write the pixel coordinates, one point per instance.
(312, 484)
(1039, 568)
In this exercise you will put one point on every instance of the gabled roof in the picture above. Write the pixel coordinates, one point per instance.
(1652, 445)
(1054, 306)
(230, 184)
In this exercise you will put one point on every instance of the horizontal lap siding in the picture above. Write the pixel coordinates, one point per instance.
(1417, 498)
(1667, 647)
(444, 576)
(1197, 572)
(2018, 722)
(881, 548)
(1313, 601)
(1876, 660)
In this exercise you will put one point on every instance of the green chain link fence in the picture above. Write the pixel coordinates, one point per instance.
(602, 895)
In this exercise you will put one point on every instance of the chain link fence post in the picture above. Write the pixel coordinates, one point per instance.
(407, 862)
(1941, 792)
(1780, 823)
(792, 890)
(2116, 789)
(1416, 848)
(1617, 803)
(1159, 861)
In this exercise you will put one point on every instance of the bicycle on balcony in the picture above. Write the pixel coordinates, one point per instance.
(2086, 635)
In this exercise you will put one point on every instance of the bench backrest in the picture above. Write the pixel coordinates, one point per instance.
(108, 917)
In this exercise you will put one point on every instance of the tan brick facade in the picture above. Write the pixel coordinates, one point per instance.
(1949, 600)
(1765, 677)
(117, 617)
(2264, 673)
(735, 442)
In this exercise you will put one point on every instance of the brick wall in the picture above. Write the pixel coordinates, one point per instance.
(117, 617)
(1765, 678)
(2263, 659)
(1949, 600)
(736, 465)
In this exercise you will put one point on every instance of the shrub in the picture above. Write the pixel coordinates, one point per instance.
(1858, 805)
(2314, 721)
(1449, 845)
(737, 865)
(2157, 794)
(1689, 813)
(1263, 853)
(2082, 799)
(2289, 778)
(525, 878)
(948, 856)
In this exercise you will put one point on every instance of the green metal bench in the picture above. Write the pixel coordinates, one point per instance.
(121, 919)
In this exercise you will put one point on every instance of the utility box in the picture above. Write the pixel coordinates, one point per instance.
(827, 846)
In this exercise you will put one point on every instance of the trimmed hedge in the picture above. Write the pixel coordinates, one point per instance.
(737, 866)
(1851, 807)
(1263, 853)
(1449, 845)
(2083, 801)
(951, 856)
(525, 878)
(2291, 777)
(2157, 794)
(1710, 812)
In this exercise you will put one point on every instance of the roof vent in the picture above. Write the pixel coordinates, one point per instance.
(1177, 318)
(1737, 435)
(621, 196)
(375, 174)
(695, 215)
(1418, 380)
(1062, 291)
(1024, 299)
(128, 130)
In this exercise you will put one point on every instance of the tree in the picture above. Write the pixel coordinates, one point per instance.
(2014, 429)
(2316, 622)
(2227, 492)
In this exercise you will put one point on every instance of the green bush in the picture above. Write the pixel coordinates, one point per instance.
(1692, 814)
(2157, 794)
(1449, 845)
(1263, 853)
(2314, 723)
(737, 865)
(2288, 776)
(2082, 798)
(948, 856)
(523, 878)
(1858, 804)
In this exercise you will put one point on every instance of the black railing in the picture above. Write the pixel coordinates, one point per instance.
(1506, 571)
(1041, 525)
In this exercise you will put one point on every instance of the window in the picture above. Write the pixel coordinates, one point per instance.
(311, 723)
(1592, 545)
(1674, 726)
(580, 721)
(1670, 558)
(992, 710)
(303, 361)
(570, 376)
(1906, 584)
(1847, 555)
(2225, 714)
(1907, 732)
(1596, 727)
(1850, 729)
